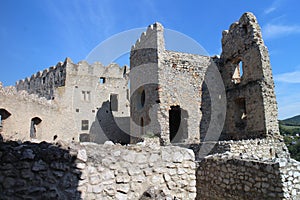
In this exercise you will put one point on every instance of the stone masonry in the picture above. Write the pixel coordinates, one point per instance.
(77, 92)
(91, 171)
(170, 104)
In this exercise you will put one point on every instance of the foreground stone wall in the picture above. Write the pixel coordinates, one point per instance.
(224, 176)
(37, 171)
(91, 171)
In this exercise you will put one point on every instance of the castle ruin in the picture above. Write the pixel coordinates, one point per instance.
(169, 102)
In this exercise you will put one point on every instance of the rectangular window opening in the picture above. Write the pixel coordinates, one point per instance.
(88, 96)
(114, 102)
(84, 125)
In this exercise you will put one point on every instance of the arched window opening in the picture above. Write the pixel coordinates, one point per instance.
(140, 98)
(4, 114)
(33, 126)
(238, 72)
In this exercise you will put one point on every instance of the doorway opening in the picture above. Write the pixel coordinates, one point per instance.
(174, 121)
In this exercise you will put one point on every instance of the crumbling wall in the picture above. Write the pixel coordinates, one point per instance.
(225, 176)
(91, 171)
(246, 72)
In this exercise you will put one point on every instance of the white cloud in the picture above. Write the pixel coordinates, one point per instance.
(290, 77)
(273, 31)
(273, 7)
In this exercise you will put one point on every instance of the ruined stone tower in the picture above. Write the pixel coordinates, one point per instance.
(245, 68)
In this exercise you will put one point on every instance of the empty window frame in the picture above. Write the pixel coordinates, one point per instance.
(84, 125)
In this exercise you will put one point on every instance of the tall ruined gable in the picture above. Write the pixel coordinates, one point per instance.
(246, 71)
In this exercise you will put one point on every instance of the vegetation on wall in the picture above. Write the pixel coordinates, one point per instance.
(290, 129)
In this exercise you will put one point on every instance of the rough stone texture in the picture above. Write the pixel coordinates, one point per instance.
(92, 171)
(74, 93)
(37, 171)
(225, 176)
(251, 102)
(169, 103)
(114, 171)
(168, 79)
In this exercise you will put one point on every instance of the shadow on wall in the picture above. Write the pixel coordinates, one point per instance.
(107, 127)
(37, 171)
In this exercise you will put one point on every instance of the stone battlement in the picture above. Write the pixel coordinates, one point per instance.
(148, 38)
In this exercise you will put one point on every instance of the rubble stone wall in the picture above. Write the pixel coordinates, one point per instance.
(220, 176)
(92, 171)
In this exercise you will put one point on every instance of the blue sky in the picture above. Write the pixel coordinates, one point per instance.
(36, 34)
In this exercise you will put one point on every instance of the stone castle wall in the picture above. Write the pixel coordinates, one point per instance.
(181, 76)
(171, 83)
(78, 91)
(44, 82)
(24, 109)
(91, 171)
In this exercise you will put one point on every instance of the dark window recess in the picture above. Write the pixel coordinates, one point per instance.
(143, 97)
(76, 86)
(114, 102)
(77, 110)
(4, 114)
(240, 114)
(102, 80)
(93, 111)
(84, 137)
(85, 125)
(142, 126)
